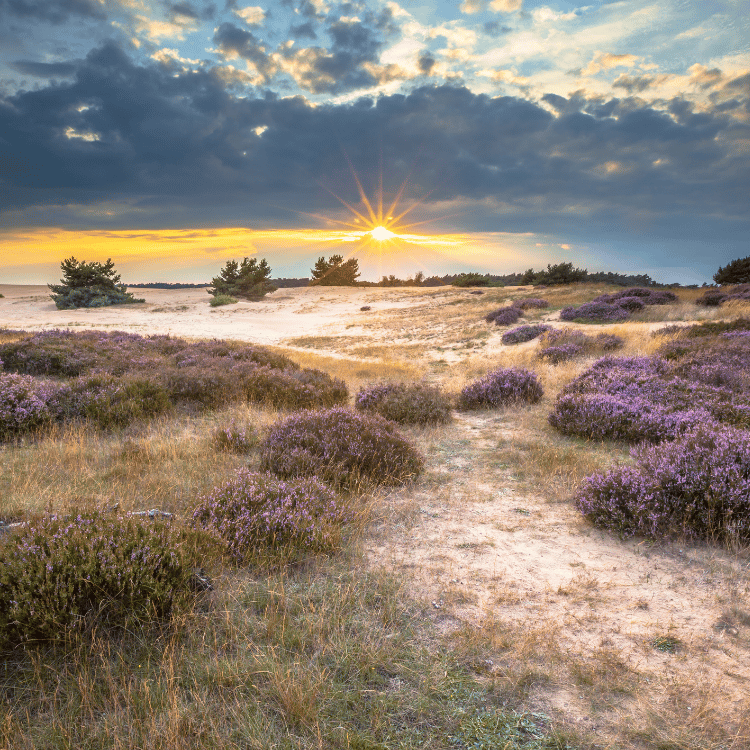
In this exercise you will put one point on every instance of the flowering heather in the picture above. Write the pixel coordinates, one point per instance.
(712, 298)
(340, 446)
(698, 486)
(62, 571)
(531, 303)
(27, 403)
(502, 387)
(647, 296)
(524, 333)
(563, 344)
(413, 403)
(504, 316)
(631, 304)
(595, 312)
(256, 509)
(640, 398)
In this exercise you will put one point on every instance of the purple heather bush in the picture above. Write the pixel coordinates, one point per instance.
(563, 344)
(595, 312)
(28, 403)
(412, 403)
(504, 316)
(521, 334)
(119, 377)
(255, 510)
(502, 387)
(340, 446)
(647, 296)
(531, 303)
(631, 304)
(696, 486)
(701, 380)
(61, 574)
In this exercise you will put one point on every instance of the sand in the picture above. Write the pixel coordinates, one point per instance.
(283, 314)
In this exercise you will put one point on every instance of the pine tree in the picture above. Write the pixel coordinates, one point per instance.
(735, 272)
(335, 272)
(89, 285)
(249, 279)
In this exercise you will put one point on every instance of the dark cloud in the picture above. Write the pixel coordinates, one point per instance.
(634, 83)
(232, 40)
(44, 70)
(52, 11)
(181, 145)
(495, 28)
(303, 31)
(426, 63)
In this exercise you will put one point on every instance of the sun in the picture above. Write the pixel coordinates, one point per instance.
(381, 234)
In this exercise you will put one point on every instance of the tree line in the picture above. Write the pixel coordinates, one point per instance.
(98, 284)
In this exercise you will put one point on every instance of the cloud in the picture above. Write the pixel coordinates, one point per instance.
(500, 6)
(251, 15)
(607, 60)
(44, 70)
(179, 146)
(233, 41)
(56, 12)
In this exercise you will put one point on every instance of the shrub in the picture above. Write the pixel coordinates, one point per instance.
(502, 387)
(524, 333)
(697, 486)
(340, 446)
(235, 438)
(560, 345)
(222, 299)
(641, 398)
(256, 509)
(595, 312)
(89, 285)
(58, 574)
(631, 304)
(249, 280)
(645, 295)
(27, 404)
(531, 303)
(116, 402)
(290, 389)
(711, 298)
(504, 316)
(413, 403)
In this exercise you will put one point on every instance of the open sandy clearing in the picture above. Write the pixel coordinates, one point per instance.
(572, 620)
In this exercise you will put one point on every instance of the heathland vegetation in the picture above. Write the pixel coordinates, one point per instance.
(190, 532)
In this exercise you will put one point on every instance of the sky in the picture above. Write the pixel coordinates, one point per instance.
(483, 135)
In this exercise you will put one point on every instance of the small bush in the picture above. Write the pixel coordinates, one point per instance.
(561, 345)
(235, 438)
(413, 403)
(256, 509)
(340, 446)
(117, 402)
(711, 298)
(531, 303)
(60, 573)
(595, 312)
(504, 316)
(290, 389)
(631, 304)
(222, 299)
(524, 333)
(365, 308)
(697, 486)
(501, 388)
(647, 296)
(27, 404)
